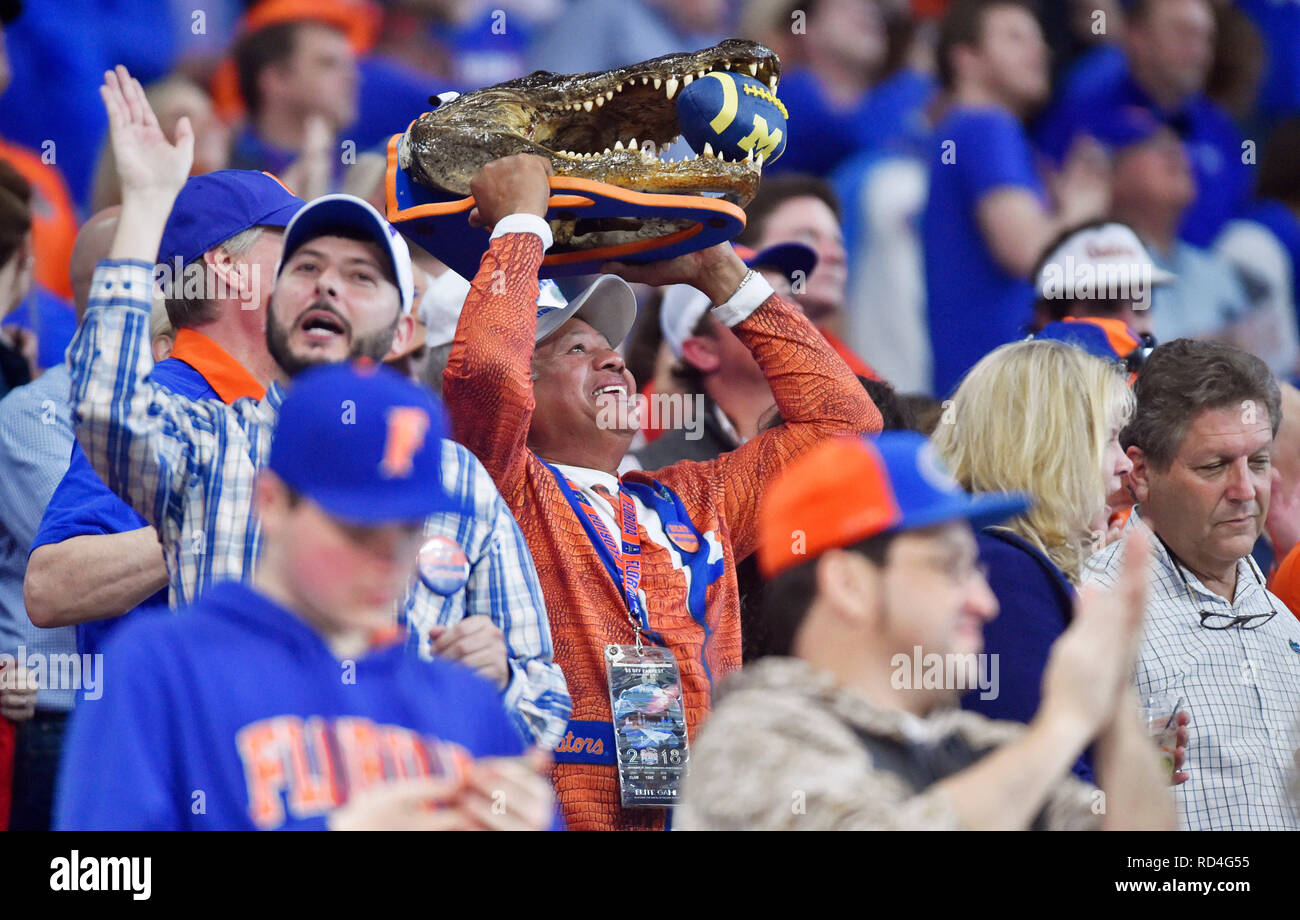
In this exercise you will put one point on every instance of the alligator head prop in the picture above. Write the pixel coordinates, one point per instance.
(609, 127)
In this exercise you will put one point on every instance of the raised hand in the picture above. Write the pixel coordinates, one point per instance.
(148, 164)
(1092, 663)
(517, 184)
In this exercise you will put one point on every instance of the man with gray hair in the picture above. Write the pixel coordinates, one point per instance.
(1201, 443)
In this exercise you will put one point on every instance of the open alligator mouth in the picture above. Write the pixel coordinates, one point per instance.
(611, 127)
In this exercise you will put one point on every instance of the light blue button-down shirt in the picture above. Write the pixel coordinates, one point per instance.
(35, 443)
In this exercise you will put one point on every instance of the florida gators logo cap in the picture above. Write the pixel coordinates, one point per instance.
(364, 443)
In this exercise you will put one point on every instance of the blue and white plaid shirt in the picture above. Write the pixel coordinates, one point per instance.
(1241, 687)
(188, 467)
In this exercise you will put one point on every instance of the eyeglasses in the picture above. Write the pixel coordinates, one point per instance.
(1222, 620)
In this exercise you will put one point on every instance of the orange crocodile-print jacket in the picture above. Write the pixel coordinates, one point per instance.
(490, 398)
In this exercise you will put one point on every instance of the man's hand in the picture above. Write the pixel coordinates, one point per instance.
(518, 184)
(18, 689)
(420, 804)
(511, 793)
(310, 174)
(1082, 187)
(150, 168)
(475, 642)
(716, 271)
(1091, 664)
(147, 163)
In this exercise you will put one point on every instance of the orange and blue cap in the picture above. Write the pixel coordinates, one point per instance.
(1103, 337)
(364, 443)
(212, 208)
(845, 490)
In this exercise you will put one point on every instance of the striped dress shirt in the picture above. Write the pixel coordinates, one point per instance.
(188, 466)
(1241, 687)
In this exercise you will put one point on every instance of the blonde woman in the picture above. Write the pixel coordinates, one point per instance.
(1043, 418)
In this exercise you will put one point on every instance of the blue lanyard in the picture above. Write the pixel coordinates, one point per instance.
(671, 511)
(622, 563)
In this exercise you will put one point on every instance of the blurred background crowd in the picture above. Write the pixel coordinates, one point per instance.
(1178, 117)
(949, 165)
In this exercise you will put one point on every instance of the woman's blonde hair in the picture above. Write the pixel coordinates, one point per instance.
(1036, 417)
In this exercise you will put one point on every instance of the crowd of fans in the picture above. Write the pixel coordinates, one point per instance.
(979, 493)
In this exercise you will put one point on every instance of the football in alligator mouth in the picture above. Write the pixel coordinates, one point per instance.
(732, 115)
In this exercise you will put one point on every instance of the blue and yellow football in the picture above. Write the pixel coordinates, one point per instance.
(735, 115)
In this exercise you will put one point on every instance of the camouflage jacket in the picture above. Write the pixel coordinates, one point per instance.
(786, 749)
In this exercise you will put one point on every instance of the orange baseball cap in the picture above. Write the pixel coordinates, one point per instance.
(846, 489)
(359, 20)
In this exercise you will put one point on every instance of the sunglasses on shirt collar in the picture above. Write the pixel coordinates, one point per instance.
(1210, 620)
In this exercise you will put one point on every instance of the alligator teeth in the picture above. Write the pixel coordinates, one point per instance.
(645, 80)
(771, 83)
(633, 145)
(600, 100)
(609, 93)
(701, 73)
(753, 69)
(726, 65)
(619, 88)
(671, 86)
(618, 145)
(577, 107)
(587, 105)
(658, 83)
(686, 80)
(607, 150)
(749, 156)
(708, 149)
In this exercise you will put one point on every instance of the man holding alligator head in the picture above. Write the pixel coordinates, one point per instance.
(638, 574)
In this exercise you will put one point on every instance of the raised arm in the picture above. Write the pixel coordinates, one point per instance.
(813, 387)
(487, 384)
(1085, 696)
(118, 415)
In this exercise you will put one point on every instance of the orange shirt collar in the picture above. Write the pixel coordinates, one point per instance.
(222, 372)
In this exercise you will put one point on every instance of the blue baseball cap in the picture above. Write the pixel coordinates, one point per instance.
(1118, 127)
(212, 208)
(329, 214)
(364, 443)
(787, 258)
(844, 490)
